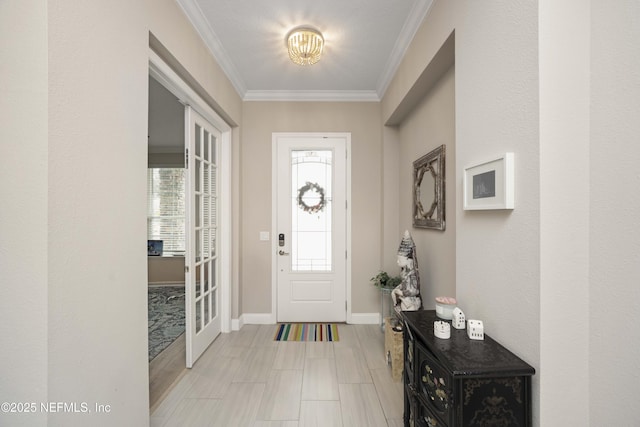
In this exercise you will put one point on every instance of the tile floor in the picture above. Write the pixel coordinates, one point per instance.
(247, 379)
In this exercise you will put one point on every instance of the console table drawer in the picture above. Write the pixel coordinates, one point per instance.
(434, 383)
(426, 418)
(495, 401)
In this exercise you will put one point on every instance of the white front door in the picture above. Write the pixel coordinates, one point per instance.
(202, 256)
(311, 227)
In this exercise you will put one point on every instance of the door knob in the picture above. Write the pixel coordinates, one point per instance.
(281, 252)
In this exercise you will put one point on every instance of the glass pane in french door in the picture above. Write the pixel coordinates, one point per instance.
(311, 208)
(205, 229)
(211, 226)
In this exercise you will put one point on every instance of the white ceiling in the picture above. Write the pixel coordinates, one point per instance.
(364, 43)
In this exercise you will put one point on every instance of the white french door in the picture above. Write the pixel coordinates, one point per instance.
(203, 320)
(311, 227)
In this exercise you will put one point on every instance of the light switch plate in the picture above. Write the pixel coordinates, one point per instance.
(264, 235)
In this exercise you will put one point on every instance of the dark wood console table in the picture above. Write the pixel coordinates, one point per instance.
(459, 382)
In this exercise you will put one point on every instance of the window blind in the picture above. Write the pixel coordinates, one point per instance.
(166, 208)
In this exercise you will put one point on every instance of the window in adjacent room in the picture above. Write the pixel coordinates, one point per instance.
(166, 208)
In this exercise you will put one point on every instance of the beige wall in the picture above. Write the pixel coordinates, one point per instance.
(261, 120)
(553, 83)
(173, 38)
(431, 124)
(176, 41)
(497, 267)
(165, 270)
(79, 93)
(165, 160)
(391, 190)
(97, 323)
(89, 311)
(24, 214)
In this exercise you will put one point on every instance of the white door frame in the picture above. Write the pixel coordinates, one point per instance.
(274, 210)
(160, 71)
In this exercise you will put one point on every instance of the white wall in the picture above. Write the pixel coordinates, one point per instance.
(496, 112)
(564, 212)
(98, 95)
(614, 220)
(23, 211)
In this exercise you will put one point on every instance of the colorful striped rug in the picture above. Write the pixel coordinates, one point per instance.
(306, 332)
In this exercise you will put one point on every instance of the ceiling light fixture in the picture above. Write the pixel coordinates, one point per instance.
(305, 45)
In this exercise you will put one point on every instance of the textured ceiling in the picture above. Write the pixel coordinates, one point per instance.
(364, 43)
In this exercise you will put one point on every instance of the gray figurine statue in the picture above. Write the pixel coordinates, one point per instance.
(406, 296)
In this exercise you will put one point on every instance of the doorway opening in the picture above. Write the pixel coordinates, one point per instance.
(189, 144)
(166, 234)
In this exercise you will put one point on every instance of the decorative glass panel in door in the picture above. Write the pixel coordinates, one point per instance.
(311, 208)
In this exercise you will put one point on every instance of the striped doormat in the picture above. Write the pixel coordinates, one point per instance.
(306, 332)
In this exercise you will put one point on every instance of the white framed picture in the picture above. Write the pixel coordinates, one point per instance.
(489, 185)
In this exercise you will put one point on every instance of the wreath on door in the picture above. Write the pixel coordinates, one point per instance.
(313, 187)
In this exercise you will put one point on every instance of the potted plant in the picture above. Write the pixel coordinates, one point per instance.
(382, 280)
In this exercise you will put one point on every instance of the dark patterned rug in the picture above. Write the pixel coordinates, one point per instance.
(166, 317)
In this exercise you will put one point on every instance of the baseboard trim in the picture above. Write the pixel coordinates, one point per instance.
(165, 283)
(236, 324)
(258, 319)
(365, 319)
(269, 319)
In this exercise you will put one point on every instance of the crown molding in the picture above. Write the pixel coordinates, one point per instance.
(201, 25)
(414, 20)
(312, 95)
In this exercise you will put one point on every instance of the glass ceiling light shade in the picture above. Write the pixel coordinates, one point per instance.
(305, 45)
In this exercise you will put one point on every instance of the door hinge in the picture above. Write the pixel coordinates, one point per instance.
(186, 158)
(345, 254)
(186, 268)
